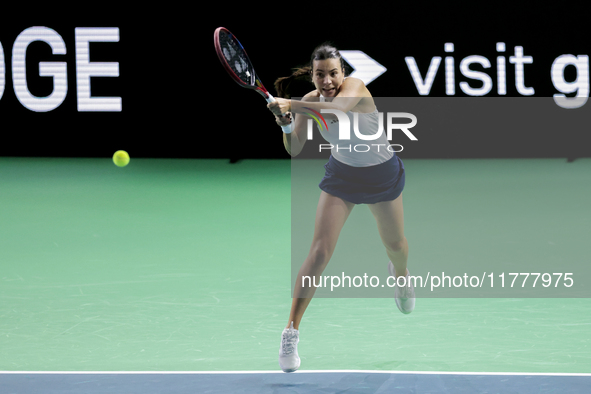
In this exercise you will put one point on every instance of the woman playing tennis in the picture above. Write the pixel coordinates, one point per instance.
(374, 178)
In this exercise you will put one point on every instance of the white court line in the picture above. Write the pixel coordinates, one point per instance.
(281, 372)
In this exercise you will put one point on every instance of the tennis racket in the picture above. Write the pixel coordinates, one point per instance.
(236, 62)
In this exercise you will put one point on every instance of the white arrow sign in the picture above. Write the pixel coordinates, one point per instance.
(365, 68)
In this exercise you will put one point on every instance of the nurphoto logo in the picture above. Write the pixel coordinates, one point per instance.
(344, 133)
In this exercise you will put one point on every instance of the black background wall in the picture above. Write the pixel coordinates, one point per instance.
(177, 101)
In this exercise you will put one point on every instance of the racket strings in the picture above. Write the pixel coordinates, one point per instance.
(236, 58)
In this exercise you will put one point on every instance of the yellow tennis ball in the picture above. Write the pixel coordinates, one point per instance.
(121, 158)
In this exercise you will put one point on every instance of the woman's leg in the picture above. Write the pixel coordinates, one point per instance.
(331, 214)
(389, 216)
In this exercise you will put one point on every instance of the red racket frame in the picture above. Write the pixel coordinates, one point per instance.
(258, 85)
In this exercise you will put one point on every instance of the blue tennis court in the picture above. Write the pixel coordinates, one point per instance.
(298, 382)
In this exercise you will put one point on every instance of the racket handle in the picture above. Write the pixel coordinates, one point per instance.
(286, 129)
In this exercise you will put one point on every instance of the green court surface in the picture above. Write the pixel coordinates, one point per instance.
(185, 265)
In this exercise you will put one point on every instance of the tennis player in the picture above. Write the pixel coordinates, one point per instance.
(375, 178)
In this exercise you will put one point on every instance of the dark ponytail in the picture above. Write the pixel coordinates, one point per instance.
(322, 52)
(282, 84)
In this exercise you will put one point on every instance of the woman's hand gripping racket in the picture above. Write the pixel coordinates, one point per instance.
(234, 59)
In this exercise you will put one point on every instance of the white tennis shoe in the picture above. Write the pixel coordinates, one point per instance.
(289, 361)
(404, 295)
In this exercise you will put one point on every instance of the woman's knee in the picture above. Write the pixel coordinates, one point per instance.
(397, 244)
(320, 253)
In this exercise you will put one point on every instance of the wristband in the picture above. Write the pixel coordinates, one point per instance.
(288, 129)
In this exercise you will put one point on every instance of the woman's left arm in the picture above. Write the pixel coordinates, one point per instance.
(351, 92)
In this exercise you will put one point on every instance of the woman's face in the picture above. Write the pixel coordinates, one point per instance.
(328, 76)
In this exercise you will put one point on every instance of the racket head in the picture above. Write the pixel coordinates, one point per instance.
(235, 60)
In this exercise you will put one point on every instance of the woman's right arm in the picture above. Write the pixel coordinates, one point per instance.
(294, 142)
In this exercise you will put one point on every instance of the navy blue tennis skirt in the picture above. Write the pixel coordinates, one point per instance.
(364, 185)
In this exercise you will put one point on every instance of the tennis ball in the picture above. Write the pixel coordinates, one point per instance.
(121, 158)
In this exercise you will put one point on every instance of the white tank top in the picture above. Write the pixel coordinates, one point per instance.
(357, 152)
